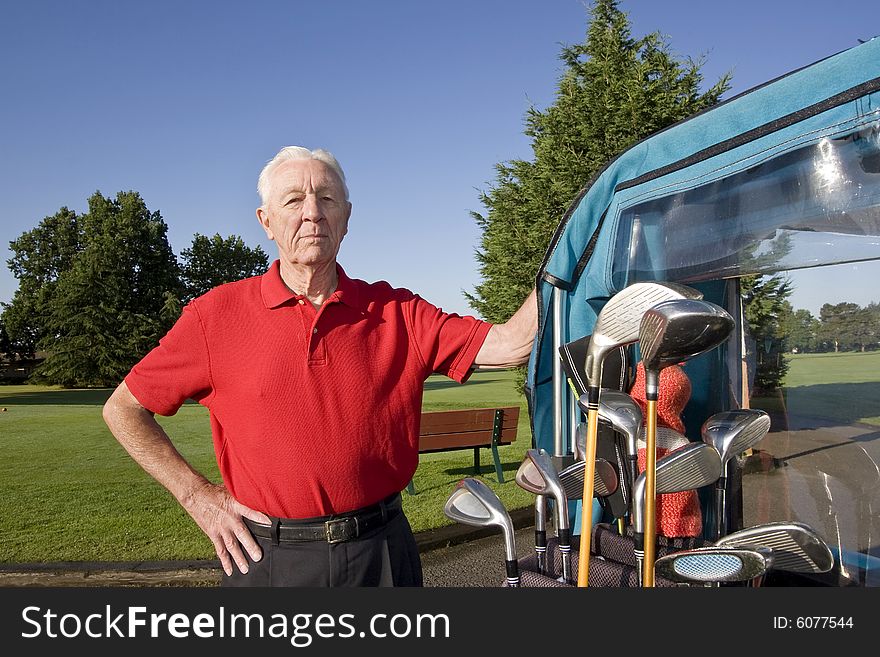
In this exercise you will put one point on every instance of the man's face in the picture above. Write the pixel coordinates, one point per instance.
(306, 213)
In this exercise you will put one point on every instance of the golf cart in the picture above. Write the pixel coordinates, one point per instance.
(781, 183)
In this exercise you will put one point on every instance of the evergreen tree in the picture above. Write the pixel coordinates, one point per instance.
(39, 258)
(765, 299)
(212, 261)
(798, 329)
(106, 312)
(615, 90)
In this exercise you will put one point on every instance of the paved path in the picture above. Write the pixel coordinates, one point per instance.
(453, 556)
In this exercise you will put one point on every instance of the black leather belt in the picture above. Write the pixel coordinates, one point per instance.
(332, 529)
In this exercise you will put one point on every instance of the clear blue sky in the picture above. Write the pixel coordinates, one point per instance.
(185, 101)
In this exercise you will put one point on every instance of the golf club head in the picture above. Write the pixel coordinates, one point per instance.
(473, 503)
(687, 468)
(733, 432)
(618, 322)
(714, 564)
(677, 330)
(538, 475)
(667, 438)
(605, 480)
(796, 547)
(624, 414)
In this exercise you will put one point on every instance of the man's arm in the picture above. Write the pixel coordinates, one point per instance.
(213, 508)
(510, 344)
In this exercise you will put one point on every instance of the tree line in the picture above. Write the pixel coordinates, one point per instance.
(97, 290)
(840, 327)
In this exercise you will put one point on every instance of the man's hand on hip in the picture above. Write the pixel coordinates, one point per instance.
(219, 515)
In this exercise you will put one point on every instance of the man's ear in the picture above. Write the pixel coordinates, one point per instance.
(347, 217)
(263, 218)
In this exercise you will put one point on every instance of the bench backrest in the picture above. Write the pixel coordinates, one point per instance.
(446, 430)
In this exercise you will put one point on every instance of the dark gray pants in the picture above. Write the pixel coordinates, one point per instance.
(386, 556)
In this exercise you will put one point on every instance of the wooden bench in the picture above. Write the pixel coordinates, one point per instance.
(476, 428)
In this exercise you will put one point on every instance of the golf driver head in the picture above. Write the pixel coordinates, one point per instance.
(714, 564)
(796, 547)
(733, 432)
(473, 503)
(618, 322)
(678, 330)
(538, 475)
(605, 479)
(687, 468)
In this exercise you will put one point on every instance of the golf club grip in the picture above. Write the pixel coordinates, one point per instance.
(564, 539)
(720, 507)
(639, 552)
(587, 498)
(541, 550)
(512, 567)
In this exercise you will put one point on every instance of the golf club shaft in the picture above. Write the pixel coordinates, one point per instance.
(721, 507)
(541, 533)
(587, 498)
(650, 521)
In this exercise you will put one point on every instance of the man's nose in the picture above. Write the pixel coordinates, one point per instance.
(312, 209)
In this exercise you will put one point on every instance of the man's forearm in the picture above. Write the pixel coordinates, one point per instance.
(510, 344)
(147, 443)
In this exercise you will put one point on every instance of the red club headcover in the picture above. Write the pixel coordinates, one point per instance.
(678, 514)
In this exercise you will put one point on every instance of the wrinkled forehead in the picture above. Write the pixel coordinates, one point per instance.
(304, 175)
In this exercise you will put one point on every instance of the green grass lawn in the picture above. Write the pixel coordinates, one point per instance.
(843, 387)
(69, 492)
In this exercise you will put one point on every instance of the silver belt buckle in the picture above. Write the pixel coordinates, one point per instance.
(341, 529)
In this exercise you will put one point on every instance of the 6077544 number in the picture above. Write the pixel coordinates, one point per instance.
(813, 622)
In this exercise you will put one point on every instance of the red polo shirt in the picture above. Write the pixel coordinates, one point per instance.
(312, 412)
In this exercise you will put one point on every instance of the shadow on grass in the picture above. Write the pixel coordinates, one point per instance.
(73, 397)
(79, 397)
(822, 405)
(449, 383)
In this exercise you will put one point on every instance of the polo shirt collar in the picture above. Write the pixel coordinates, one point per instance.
(275, 292)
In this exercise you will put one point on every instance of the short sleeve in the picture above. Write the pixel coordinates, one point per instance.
(176, 370)
(448, 343)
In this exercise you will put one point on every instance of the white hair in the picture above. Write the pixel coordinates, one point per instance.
(297, 153)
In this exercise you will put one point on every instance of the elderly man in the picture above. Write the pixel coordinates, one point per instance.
(314, 382)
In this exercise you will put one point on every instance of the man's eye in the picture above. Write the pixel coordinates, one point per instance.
(294, 200)
(328, 198)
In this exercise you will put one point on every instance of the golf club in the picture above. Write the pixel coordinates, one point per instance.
(473, 503)
(605, 484)
(687, 468)
(731, 433)
(624, 415)
(541, 534)
(711, 565)
(538, 475)
(669, 333)
(796, 547)
(617, 324)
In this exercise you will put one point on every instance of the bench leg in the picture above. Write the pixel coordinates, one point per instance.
(476, 460)
(497, 459)
(410, 488)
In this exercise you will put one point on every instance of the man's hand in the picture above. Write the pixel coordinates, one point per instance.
(219, 515)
